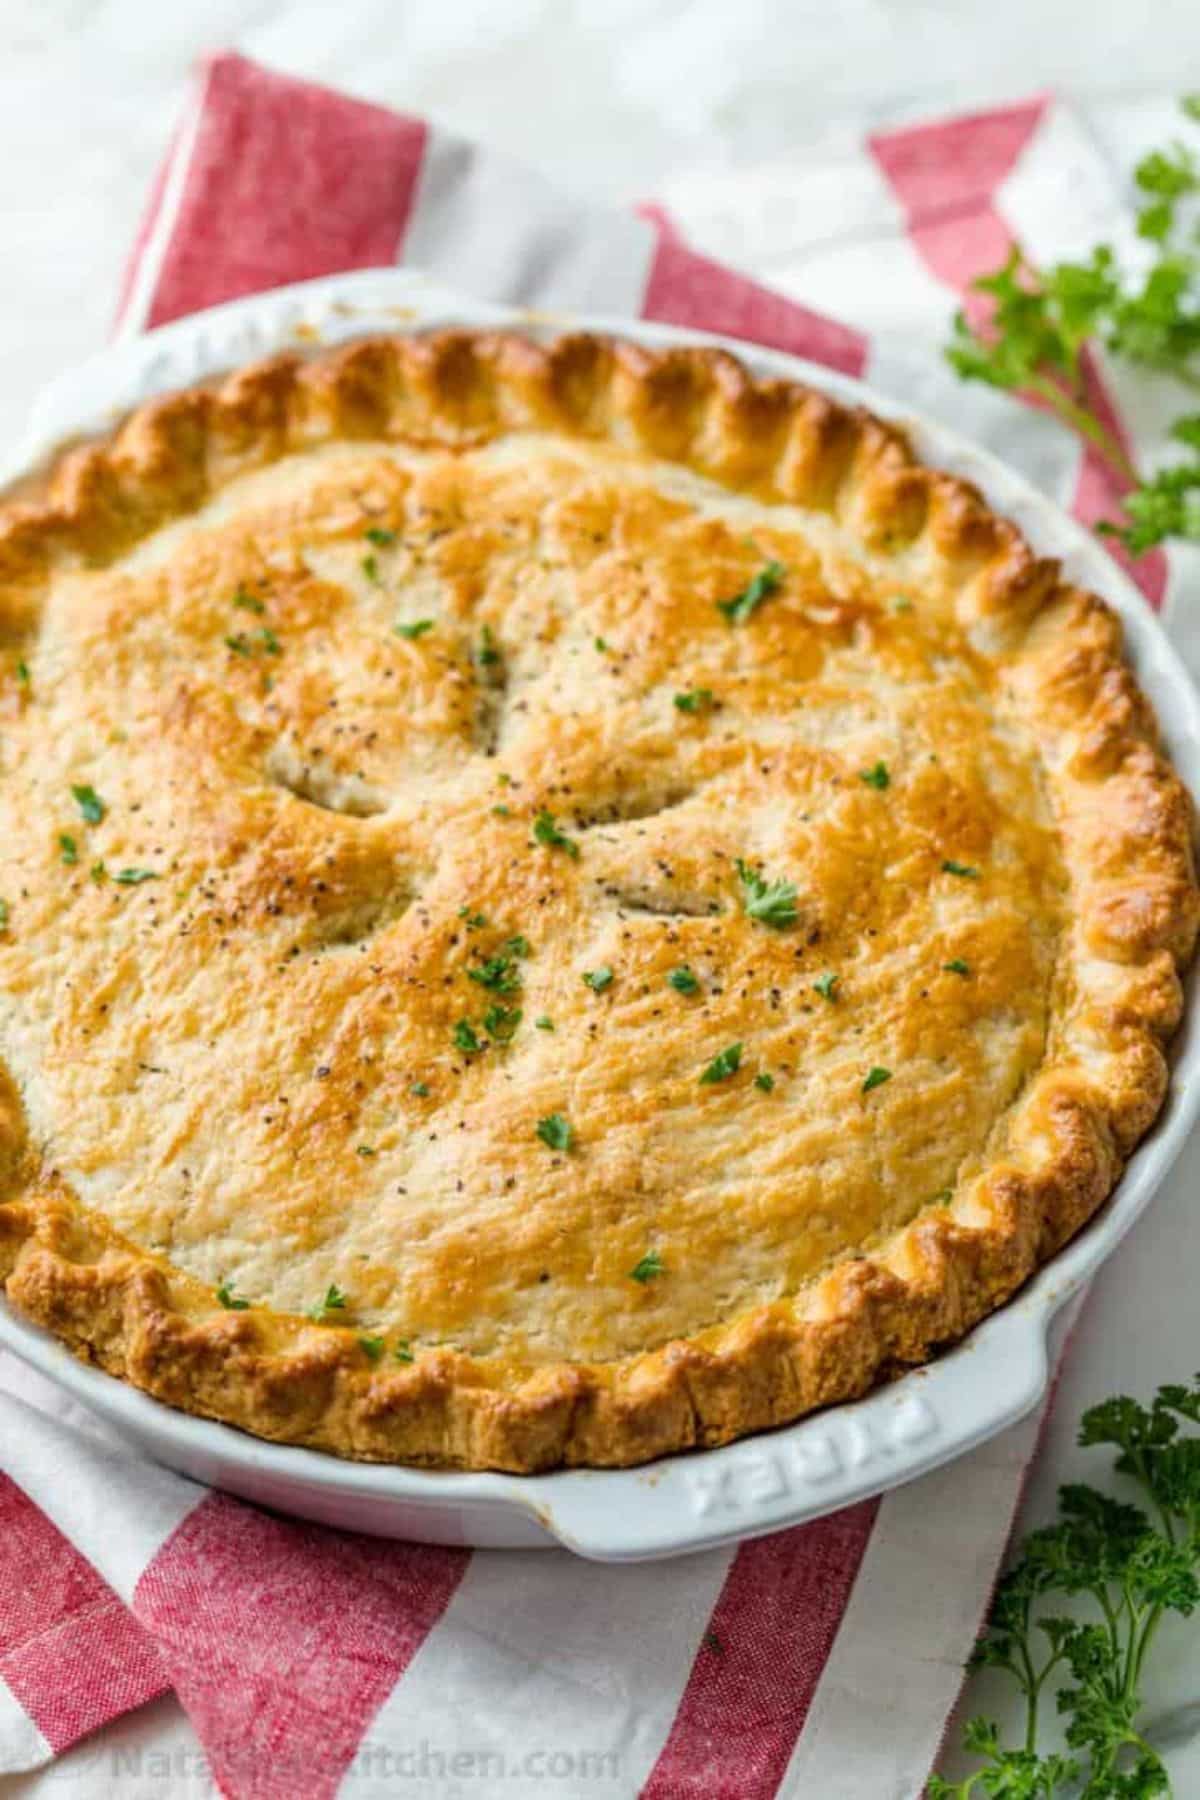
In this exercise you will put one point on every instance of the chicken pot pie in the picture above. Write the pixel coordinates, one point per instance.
(562, 903)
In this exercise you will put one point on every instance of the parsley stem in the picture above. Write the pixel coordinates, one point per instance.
(1087, 424)
(1188, 378)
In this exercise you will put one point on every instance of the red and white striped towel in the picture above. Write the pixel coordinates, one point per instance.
(824, 1660)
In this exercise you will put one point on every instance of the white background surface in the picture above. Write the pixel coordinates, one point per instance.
(614, 99)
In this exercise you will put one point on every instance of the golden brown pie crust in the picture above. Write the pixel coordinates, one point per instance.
(327, 810)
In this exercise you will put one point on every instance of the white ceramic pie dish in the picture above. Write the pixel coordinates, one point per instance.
(761, 1484)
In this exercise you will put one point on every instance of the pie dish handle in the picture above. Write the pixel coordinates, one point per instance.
(803, 1471)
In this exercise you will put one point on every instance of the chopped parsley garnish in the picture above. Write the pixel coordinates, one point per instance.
(723, 1065)
(134, 877)
(371, 1347)
(647, 1267)
(556, 1131)
(544, 1022)
(598, 979)
(943, 1197)
(876, 776)
(826, 985)
(370, 568)
(518, 945)
(902, 604)
(682, 980)
(23, 675)
(765, 1081)
(487, 655)
(546, 831)
(403, 1351)
(502, 812)
(767, 582)
(248, 602)
(465, 1038)
(89, 803)
(420, 1089)
(68, 849)
(956, 966)
(950, 867)
(98, 872)
(380, 536)
(334, 1301)
(500, 1022)
(600, 645)
(265, 640)
(412, 632)
(3, 915)
(367, 1150)
(499, 974)
(229, 1299)
(771, 903)
(474, 921)
(875, 1078)
(694, 700)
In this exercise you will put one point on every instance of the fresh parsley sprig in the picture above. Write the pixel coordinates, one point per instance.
(1128, 1566)
(1043, 321)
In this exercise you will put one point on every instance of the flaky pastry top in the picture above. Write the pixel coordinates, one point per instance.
(562, 903)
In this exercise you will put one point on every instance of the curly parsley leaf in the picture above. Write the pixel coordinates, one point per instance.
(1167, 504)
(647, 1267)
(487, 652)
(742, 606)
(556, 1132)
(546, 831)
(683, 980)
(334, 1301)
(723, 1065)
(89, 803)
(500, 1022)
(498, 973)
(1122, 1567)
(771, 903)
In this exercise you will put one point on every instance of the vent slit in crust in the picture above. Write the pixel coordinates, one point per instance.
(317, 784)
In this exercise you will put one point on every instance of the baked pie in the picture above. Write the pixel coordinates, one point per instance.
(562, 903)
